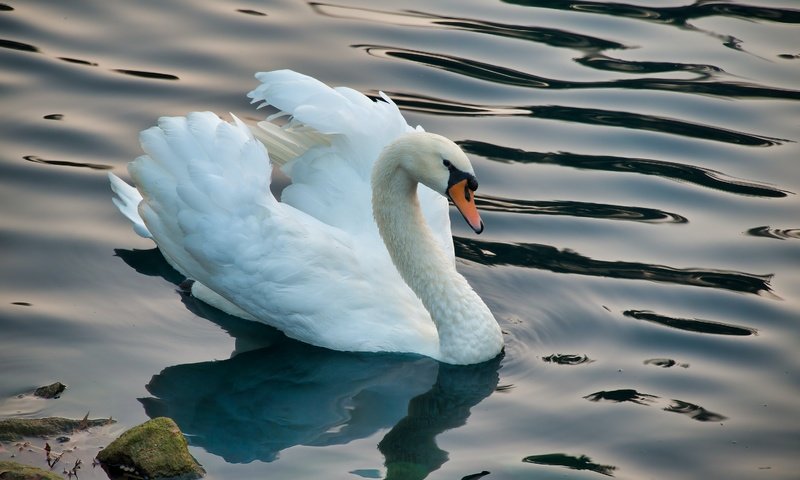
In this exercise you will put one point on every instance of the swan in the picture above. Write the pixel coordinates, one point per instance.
(357, 255)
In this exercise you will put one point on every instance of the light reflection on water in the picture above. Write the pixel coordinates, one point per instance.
(639, 186)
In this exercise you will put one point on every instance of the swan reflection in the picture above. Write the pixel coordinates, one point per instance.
(285, 393)
(275, 393)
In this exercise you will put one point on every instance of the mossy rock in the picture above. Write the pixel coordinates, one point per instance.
(17, 471)
(154, 449)
(14, 429)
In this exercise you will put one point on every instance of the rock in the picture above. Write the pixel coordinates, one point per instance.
(17, 471)
(50, 391)
(154, 449)
(14, 429)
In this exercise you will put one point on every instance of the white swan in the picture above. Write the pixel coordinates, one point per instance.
(357, 255)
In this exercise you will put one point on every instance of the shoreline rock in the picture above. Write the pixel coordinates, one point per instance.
(16, 471)
(15, 429)
(154, 449)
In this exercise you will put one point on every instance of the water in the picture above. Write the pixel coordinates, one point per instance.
(639, 180)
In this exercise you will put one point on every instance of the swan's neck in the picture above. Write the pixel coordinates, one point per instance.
(468, 332)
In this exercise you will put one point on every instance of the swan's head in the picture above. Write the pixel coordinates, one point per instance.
(442, 166)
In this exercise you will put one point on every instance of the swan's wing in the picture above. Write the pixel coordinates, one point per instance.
(207, 204)
(331, 179)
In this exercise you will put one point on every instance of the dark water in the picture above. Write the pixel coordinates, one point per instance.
(639, 179)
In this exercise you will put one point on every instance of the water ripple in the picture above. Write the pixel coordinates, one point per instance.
(695, 412)
(590, 116)
(507, 76)
(577, 209)
(691, 324)
(777, 233)
(621, 396)
(145, 74)
(24, 47)
(665, 363)
(581, 462)
(14, 45)
(549, 36)
(255, 13)
(669, 15)
(64, 163)
(608, 163)
(567, 359)
(545, 257)
(78, 61)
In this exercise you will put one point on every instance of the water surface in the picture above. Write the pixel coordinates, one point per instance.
(639, 178)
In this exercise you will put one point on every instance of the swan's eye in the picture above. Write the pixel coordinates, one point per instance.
(447, 164)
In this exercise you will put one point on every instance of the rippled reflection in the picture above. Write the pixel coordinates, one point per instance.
(286, 393)
(548, 36)
(546, 257)
(78, 61)
(777, 233)
(65, 163)
(567, 359)
(676, 16)
(144, 74)
(14, 45)
(507, 76)
(623, 395)
(608, 163)
(581, 462)
(591, 116)
(691, 324)
(247, 11)
(665, 363)
(577, 209)
(24, 47)
(695, 412)
(671, 15)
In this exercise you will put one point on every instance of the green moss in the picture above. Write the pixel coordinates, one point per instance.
(18, 471)
(14, 429)
(405, 471)
(155, 449)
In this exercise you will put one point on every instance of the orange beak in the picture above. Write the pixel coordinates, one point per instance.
(464, 199)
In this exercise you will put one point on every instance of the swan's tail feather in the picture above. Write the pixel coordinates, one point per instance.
(199, 173)
(127, 200)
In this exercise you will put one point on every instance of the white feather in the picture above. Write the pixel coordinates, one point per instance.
(312, 264)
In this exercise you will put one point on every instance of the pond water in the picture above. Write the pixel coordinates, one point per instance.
(639, 178)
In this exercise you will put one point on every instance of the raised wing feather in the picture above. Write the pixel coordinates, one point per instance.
(331, 180)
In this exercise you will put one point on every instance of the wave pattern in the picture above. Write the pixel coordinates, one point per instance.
(608, 163)
(25, 47)
(776, 233)
(545, 257)
(507, 76)
(577, 209)
(547, 36)
(590, 116)
(669, 15)
(691, 324)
